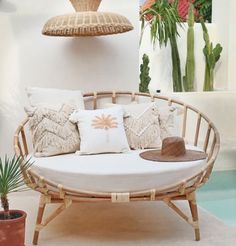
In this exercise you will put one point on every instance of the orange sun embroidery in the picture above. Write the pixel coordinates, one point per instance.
(104, 122)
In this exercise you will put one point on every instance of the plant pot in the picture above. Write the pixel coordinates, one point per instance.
(12, 231)
(85, 5)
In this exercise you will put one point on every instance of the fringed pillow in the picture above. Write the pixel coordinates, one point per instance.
(168, 122)
(142, 125)
(147, 124)
(52, 132)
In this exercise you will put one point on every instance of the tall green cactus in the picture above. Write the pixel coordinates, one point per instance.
(212, 55)
(176, 70)
(188, 79)
(144, 75)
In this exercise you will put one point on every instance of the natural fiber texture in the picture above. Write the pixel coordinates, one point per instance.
(168, 116)
(87, 24)
(155, 155)
(142, 126)
(85, 5)
(52, 132)
(173, 150)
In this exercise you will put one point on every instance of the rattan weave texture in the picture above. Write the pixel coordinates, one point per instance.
(85, 5)
(87, 23)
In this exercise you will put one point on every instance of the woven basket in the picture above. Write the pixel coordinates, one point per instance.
(87, 24)
(85, 5)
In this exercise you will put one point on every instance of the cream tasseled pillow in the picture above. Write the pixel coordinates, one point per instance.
(147, 124)
(168, 122)
(142, 125)
(101, 131)
(52, 132)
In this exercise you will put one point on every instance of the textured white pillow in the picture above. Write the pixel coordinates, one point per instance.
(142, 125)
(150, 122)
(101, 131)
(54, 98)
(52, 132)
(168, 121)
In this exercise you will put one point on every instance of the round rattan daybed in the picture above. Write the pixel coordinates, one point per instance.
(196, 129)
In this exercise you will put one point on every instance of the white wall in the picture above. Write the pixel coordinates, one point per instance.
(232, 49)
(31, 59)
(220, 17)
(224, 17)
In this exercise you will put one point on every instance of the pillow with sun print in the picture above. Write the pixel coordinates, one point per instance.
(101, 130)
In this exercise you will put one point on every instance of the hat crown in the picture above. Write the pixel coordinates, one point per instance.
(85, 5)
(173, 146)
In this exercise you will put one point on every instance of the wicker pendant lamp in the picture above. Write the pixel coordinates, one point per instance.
(85, 5)
(86, 21)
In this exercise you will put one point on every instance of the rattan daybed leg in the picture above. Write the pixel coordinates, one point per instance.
(193, 207)
(42, 204)
(45, 199)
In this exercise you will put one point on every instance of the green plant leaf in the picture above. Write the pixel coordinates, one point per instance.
(11, 175)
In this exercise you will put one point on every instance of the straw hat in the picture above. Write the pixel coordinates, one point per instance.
(173, 150)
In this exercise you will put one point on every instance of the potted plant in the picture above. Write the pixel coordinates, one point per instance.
(12, 222)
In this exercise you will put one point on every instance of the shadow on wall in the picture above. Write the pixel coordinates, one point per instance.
(7, 7)
(88, 56)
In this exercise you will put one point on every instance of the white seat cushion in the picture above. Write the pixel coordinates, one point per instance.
(123, 172)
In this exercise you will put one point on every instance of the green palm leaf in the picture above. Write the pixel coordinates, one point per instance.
(11, 178)
(163, 18)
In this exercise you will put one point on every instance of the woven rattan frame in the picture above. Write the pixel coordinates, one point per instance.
(52, 192)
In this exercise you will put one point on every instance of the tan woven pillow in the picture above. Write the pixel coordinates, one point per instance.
(87, 23)
(142, 126)
(52, 132)
(168, 121)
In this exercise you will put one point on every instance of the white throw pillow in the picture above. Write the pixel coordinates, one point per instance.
(54, 98)
(101, 131)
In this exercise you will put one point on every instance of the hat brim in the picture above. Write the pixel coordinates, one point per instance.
(190, 155)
